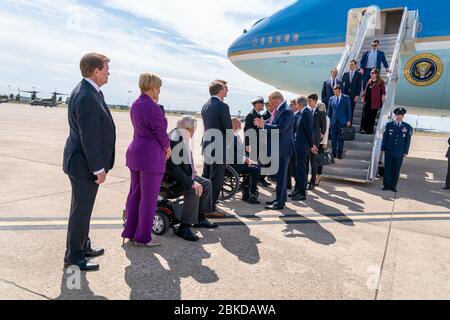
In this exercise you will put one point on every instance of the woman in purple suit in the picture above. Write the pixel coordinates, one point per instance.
(146, 159)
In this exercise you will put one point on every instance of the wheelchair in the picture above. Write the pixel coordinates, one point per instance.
(170, 204)
(233, 183)
(169, 207)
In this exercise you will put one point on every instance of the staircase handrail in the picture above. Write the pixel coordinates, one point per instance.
(388, 105)
(368, 23)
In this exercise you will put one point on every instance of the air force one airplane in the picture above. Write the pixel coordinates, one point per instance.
(295, 49)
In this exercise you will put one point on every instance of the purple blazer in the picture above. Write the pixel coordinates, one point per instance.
(146, 152)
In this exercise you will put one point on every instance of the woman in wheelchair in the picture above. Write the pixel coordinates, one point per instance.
(181, 178)
(245, 166)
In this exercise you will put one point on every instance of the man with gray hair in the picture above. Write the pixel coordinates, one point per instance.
(281, 120)
(183, 178)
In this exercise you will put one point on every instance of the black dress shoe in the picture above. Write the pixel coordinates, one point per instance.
(253, 200)
(83, 266)
(264, 183)
(446, 188)
(186, 233)
(269, 203)
(340, 157)
(275, 207)
(299, 198)
(94, 253)
(293, 194)
(206, 225)
(386, 189)
(394, 190)
(311, 187)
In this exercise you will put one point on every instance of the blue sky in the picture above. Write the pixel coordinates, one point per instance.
(185, 42)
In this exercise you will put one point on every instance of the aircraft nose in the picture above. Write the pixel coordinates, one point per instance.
(239, 44)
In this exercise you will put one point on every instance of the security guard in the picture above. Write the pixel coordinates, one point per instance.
(395, 147)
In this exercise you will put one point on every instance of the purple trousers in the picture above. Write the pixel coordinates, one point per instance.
(141, 206)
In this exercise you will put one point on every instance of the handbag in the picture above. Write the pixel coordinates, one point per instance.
(348, 133)
(325, 159)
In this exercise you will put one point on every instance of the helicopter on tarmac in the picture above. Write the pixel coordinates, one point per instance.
(4, 99)
(54, 101)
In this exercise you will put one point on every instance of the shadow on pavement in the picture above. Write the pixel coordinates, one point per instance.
(75, 286)
(157, 274)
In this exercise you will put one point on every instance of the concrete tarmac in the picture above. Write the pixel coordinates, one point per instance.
(347, 241)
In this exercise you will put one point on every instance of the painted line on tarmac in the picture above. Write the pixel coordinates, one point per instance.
(251, 216)
(105, 224)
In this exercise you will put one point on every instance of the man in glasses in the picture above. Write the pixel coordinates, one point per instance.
(372, 59)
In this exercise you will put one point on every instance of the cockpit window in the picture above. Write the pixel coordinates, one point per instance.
(258, 22)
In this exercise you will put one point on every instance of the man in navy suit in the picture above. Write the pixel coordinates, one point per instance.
(352, 81)
(303, 145)
(216, 116)
(89, 155)
(327, 91)
(372, 59)
(281, 120)
(340, 113)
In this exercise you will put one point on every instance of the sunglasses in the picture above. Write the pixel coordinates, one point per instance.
(374, 45)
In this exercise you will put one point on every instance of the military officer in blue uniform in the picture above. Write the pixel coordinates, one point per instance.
(395, 147)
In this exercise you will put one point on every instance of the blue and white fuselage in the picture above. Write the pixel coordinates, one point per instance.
(295, 48)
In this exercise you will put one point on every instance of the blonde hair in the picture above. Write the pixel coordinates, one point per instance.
(149, 81)
(321, 106)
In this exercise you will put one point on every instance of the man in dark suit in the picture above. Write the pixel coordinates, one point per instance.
(250, 129)
(303, 145)
(266, 115)
(281, 120)
(340, 113)
(327, 91)
(181, 177)
(89, 155)
(372, 59)
(319, 130)
(447, 181)
(216, 117)
(352, 84)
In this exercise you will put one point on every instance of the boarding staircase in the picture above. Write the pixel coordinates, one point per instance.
(362, 156)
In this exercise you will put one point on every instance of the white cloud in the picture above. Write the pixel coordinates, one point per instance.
(45, 40)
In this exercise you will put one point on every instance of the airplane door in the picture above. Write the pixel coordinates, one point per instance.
(355, 17)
